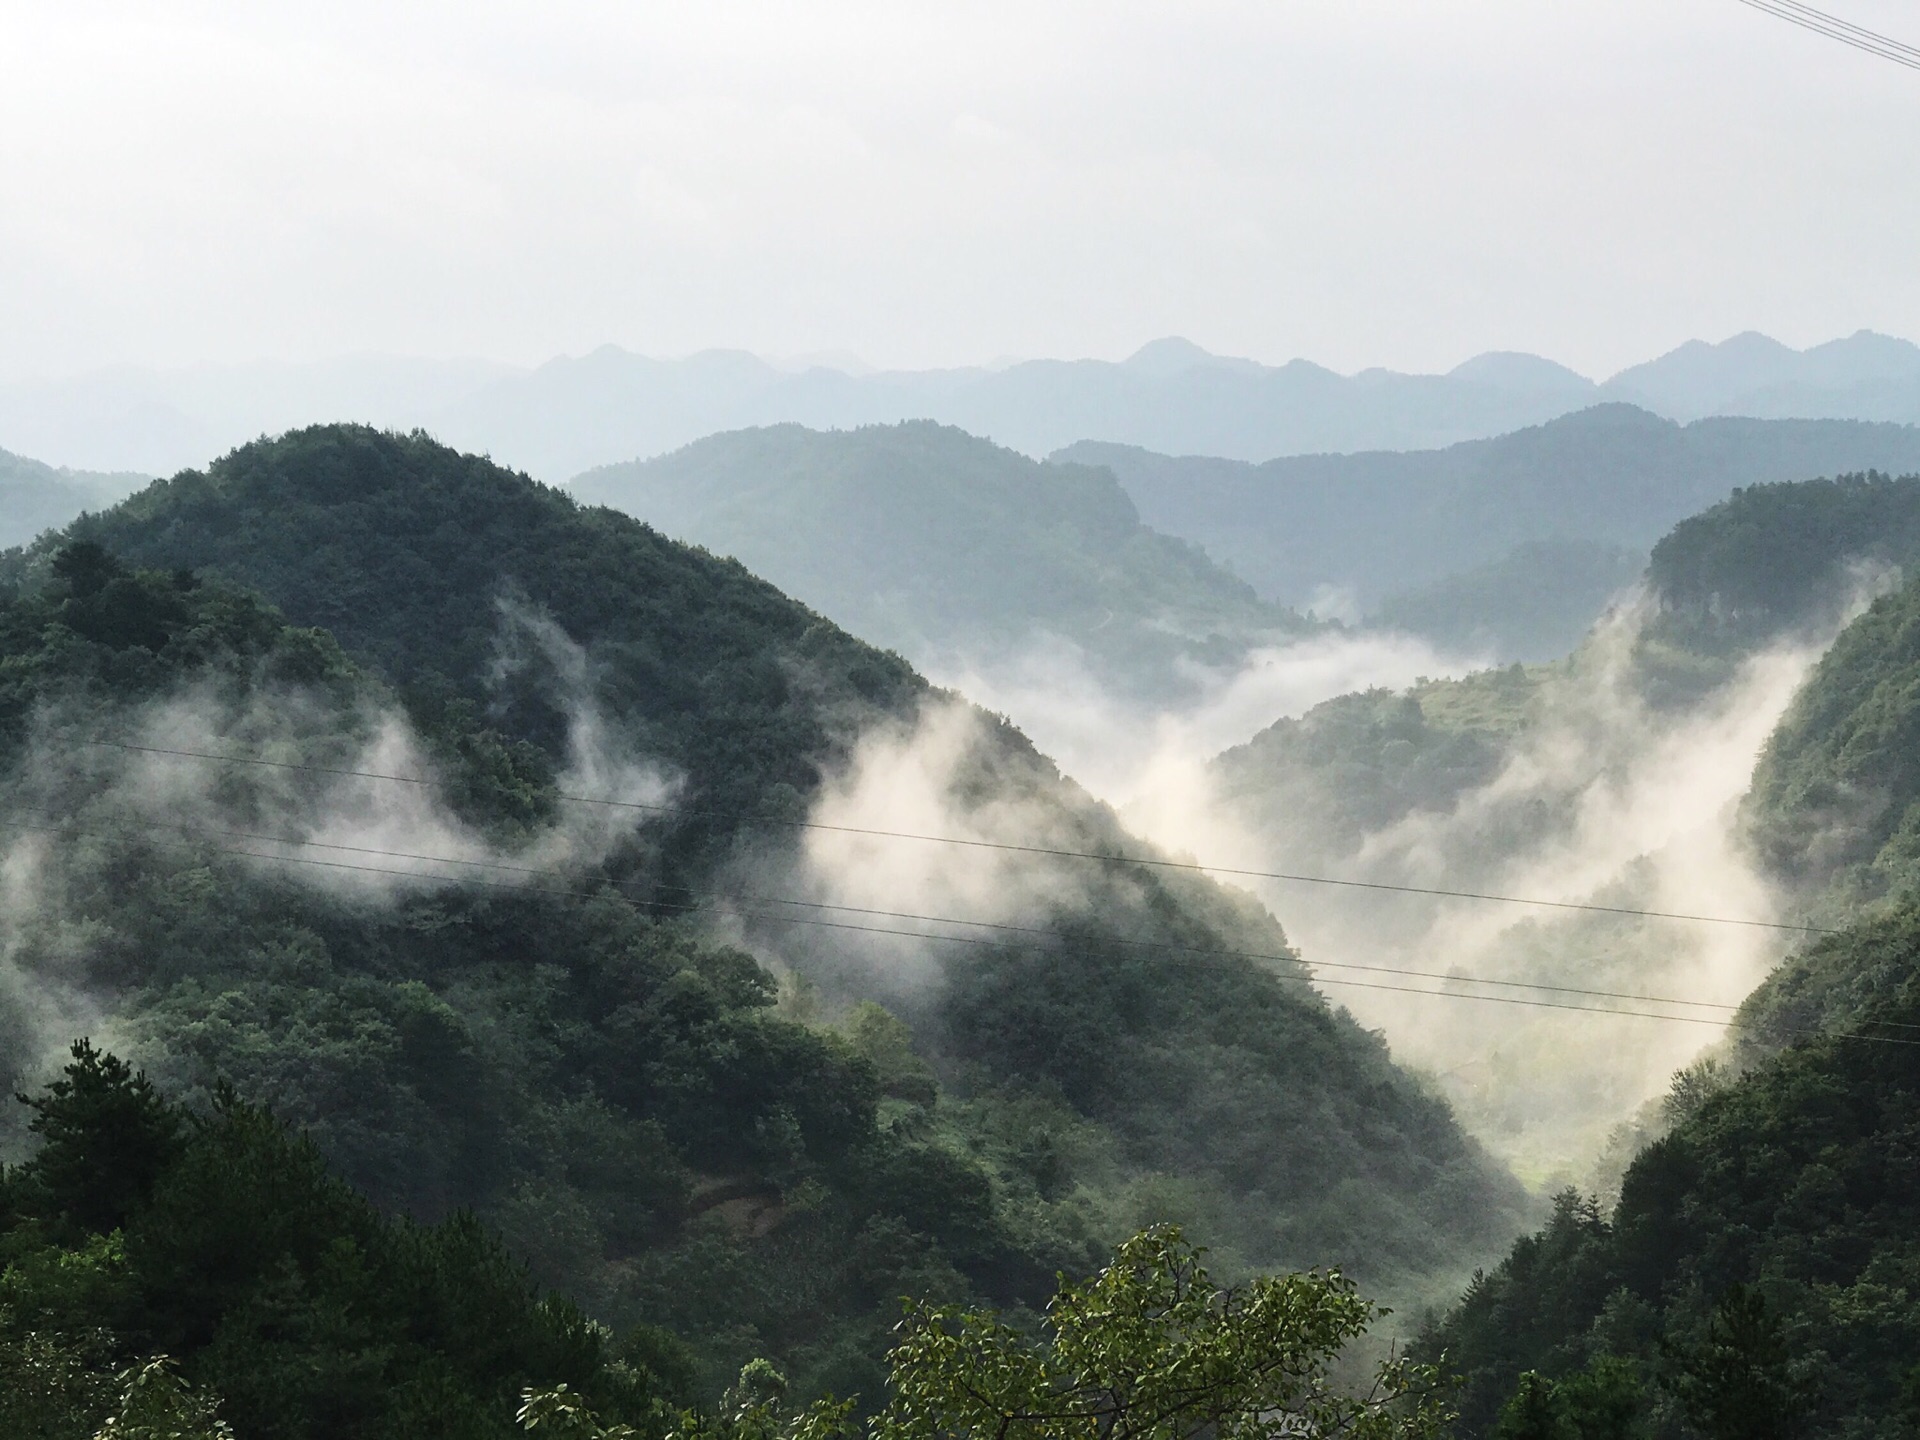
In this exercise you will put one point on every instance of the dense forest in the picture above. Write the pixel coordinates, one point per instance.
(404, 1049)
(1752, 1278)
(470, 1000)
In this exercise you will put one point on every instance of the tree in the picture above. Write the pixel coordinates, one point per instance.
(156, 1404)
(1736, 1384)
(1152, 1349)
(1149, 1349)
(106, 1135)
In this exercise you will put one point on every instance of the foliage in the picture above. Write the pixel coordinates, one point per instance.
(156, 1404)
(1152, 1348)
(281, 1290)
(1149, 1348)
(1834, 808)
(1760, 1268)
(407, 551)
(1772, 557)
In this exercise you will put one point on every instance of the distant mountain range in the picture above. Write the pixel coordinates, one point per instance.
(610, 406)
(36, 497)
(1447, 542)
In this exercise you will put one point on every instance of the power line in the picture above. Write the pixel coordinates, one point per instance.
(1834, 28)
(731, 901)
(1058, 946)
(686, 812)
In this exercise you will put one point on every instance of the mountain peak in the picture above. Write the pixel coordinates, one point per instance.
(1172, 354)
(1521, 372)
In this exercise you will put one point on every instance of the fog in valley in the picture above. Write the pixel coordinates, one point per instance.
(671, 675)
(1602, 800)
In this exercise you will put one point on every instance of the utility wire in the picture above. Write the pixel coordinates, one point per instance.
(1834, 28)
(620, 896)
(731, 902)
(686, 812)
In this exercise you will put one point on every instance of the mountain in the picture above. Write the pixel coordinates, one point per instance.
(1754, 1271)
(1535, 603)
(1380, 527)
(660, 1068)
(1760, 1259)
(928, 541)
(610, 406)
(36, 497)
(1863, 377)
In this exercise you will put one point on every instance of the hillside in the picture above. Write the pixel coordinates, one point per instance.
(1778, 1164)
(36, 497)
(1102, 1046)
(1794, 1180)
(1612, 776)
(925, 540)
(1381, 525)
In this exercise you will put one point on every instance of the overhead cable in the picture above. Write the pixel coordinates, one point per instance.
(1145, 861)
(1058, 945)
(1845, 31)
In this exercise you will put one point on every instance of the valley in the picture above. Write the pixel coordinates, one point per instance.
(740, 975)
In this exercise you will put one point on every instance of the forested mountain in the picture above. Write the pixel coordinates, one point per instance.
(1755, 1275)
(1560, 780)
(1759, 1274)
(1379, 526)
(529, 1022)
(36, 497)
(944, 547)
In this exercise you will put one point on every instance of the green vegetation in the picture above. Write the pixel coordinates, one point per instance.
(657, 1124)
(1150, 1347)
(1762, 1255)
(1358, 763)
(1772, 558)
(1758, 1274)
(140, 1229)
(1836, 797)
(924, 539)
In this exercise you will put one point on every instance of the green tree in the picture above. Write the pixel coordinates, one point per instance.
(1736, 1384)
(156, 1404)
(1602, 1402)
(105, 1137)
(1149, 1349)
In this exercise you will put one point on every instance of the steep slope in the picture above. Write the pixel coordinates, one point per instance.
(1786, 1167)
(926, 540)
(1102, 997)
(1615, 777)
(1836, 798)
(36, 497)
(449, 993)
(1796, 1179)
(1379, 525)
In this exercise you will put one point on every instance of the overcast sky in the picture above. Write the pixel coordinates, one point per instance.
(1362, 182)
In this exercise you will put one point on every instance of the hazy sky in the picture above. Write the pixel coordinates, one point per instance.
(1397, 182)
